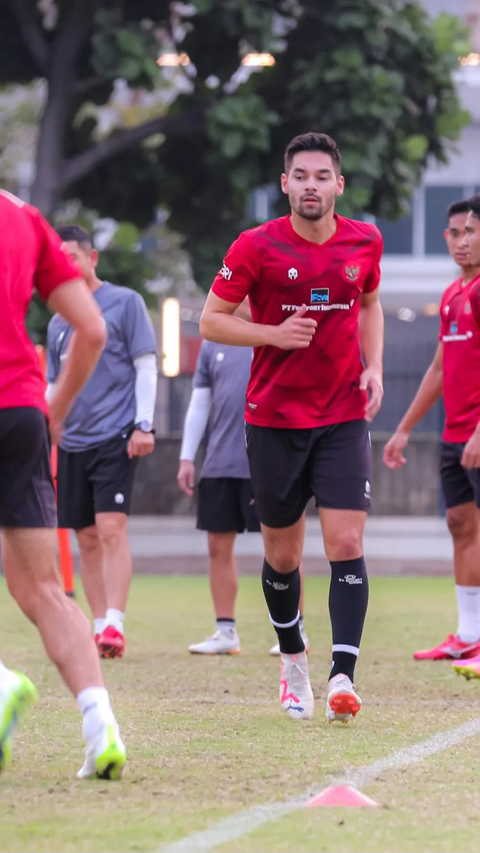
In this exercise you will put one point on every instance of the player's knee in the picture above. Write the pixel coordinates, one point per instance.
(38, 595)
(88, 540)
(220, 545)
(462, 523)
(112, 530)
(344, 545)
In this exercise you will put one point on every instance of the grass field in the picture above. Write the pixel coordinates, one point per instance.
(207, 739)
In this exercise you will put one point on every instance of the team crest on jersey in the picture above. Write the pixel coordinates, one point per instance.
(351, 272)
(293, 274)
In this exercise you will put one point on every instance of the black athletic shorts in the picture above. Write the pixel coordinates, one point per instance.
(27, 496)
(99, 479)
(225, 505)
(288, 466)
(459, 485)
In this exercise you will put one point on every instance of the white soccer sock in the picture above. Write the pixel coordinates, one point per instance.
(228, 629)
(98, 625)
(468, 601)
(94, 703)
(116, 619)
(8, 679)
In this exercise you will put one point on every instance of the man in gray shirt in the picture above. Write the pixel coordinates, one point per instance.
(109, 426)
(225, 502)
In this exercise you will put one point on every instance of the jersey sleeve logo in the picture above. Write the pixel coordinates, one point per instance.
(351, 272)
(226, 272)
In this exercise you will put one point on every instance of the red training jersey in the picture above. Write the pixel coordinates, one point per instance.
(280, 271)
(460, 335)
(30, 257)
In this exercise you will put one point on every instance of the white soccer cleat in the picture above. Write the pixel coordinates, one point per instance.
(275, 650)
(343, 704)
(217, 644)
(296, 695)
(105, 755)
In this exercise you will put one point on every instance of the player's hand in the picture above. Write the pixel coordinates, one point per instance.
(471, 452)
(371, 381)
(296, 332)
(186, 476)
(393, 451)
(56, 416)
(140, 443)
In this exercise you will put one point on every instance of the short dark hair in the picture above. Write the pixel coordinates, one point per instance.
(312, 142)
(474, 205)
(458, 207)
(75, 233)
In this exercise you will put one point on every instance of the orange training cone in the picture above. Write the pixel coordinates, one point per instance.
(342, 795)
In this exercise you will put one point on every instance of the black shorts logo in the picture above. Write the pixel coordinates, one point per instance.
(320, 294)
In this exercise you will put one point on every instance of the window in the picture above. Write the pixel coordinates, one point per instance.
(397, 235)
(437, 201)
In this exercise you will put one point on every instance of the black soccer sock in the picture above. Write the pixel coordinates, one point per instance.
(347, 602)
(282, 594)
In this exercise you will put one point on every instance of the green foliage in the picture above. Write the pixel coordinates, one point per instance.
(375, 74)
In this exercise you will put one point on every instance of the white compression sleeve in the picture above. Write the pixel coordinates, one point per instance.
(145, 386)
(196, 421)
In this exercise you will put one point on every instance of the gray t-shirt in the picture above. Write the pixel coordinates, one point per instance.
(106, 405)
(226, 371)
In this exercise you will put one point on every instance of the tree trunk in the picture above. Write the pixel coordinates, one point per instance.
(47, 186)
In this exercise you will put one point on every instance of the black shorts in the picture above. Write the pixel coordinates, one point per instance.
(459, 485)
(27, 496)
(288, 466)
(226, 505)
(99, 479)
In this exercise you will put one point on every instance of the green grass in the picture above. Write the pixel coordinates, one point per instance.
(206, 736)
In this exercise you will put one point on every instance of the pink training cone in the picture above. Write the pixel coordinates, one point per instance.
(342, 795)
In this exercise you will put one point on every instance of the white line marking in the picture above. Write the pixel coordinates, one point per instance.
(245, 822)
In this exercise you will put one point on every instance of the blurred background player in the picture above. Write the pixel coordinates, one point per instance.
(313, 282)
(455, 372)
(31, 257)
(225, 502)
(109, 426)
(470, 667)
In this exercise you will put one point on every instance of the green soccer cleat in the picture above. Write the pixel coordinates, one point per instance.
(105, 756)
(13, 704)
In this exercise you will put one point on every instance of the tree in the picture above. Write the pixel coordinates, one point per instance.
(375, 74)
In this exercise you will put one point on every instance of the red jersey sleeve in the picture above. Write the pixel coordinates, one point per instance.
(443, 319)
(240, 271)
(373, 278)
(54, 268)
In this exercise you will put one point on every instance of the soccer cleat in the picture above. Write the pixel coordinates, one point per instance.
(296, 695)
(217, 644)
(111, 643)
(105, 755)
(469, 669)
(343, 704)
(275, 650)
(13, 704)
(451, 649)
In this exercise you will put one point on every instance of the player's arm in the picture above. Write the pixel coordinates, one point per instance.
(220, 321)
(141, 345)
(196, 420)
(371, 336)
(429, 392)
(59, 284)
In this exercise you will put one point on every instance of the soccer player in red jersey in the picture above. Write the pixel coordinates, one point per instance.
(470, 668)
(31, 257)
(312, 279)
(455, 372)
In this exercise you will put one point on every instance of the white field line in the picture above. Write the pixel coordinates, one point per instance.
(245, 822)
